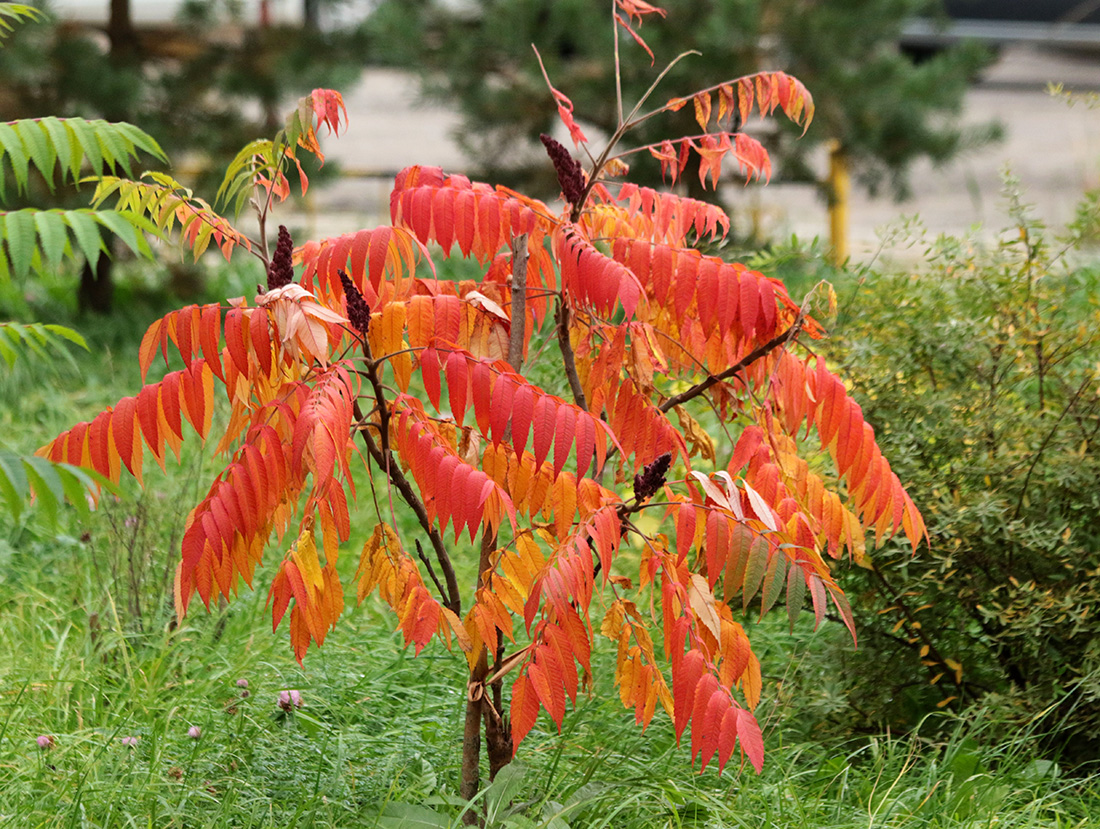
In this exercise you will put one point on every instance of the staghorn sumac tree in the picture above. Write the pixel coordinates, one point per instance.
(357, 350)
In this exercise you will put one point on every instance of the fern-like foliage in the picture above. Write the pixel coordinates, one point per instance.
(66, 149)
(37, 338)
(40, 239)
(12, 13)
(24, 476)
(50, 484)
(63, 150)
(165, 204)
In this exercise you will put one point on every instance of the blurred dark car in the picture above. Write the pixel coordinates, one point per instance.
(1066, 23)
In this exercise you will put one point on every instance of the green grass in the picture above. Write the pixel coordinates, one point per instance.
(89, 658)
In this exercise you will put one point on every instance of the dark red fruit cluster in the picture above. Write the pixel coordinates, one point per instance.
(652, 477)
(569, 170)
(358, 310)
(281, 270)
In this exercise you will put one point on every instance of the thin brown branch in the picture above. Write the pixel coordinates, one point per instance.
(775, 342)
(567, 356)
(519, 302)
(452, 599)
(383, 456)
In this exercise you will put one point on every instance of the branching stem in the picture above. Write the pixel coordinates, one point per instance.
(762, 351)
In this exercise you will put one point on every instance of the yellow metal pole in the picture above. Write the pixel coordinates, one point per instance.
(840, 187)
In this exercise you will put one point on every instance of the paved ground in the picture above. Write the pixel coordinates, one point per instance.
(1054, 149)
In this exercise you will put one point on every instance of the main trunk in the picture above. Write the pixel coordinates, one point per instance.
(479, 708)
(484, 709)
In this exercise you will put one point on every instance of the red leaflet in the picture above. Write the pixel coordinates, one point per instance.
(752, 742)
(457, 383)
(523, 409)
(524, 708)
(685, 681)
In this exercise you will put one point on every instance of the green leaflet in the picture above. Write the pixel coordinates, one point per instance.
(35, 337)
(23, 476)
(66, 149)
(33, 239)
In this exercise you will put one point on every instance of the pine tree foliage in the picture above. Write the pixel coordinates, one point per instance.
(370, 357)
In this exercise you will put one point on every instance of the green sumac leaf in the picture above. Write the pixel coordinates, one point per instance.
(86, 146)
(13, 483)
(18, 235)
(755, 569)
(796, 593)
(141, 140)
(127, 226)
(16, 156)
(37, 146)
(67, 334)
(60, 147)
(87, 234)
(773, 582)
(53, 236)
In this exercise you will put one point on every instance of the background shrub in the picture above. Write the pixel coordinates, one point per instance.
(980, 373)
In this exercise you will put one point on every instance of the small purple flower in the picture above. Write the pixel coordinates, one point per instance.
(45, 741)
(129, 741)
(289, 700)
(242, 683)
(194, 732)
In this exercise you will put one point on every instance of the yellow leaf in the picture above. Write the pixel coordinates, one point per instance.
(612, 624)
(702, 603)
(304, 554)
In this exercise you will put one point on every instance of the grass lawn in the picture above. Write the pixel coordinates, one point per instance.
(111, 716)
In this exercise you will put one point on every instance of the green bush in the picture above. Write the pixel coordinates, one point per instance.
(981, 374)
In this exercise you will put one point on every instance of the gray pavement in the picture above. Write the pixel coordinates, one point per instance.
(1054, 150)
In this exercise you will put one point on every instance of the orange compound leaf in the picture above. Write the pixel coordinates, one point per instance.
(225, 534)
(702, 109)
(636, 9)
(873, 487)
(200, 225)
(687, 672)
(752, 741)
(503, 398)
(453, 490)
(672, 161)
(546, 678)
(194, 330)
(420, 619)
(322, 432)
(641, 430)
(778, 89)
(328, 106)
(753, 159)
(113, 439)
(592, 279)
(381, 263)
(451, 209)
(704, 291)
(384, 565)
(524, 708)
(669, 218)
(437, 320)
